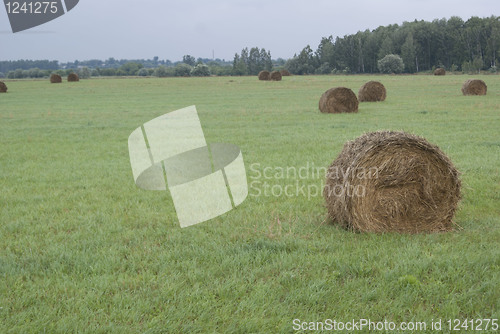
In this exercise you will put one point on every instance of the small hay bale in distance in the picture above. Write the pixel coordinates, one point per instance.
(338, 100)
(73, 77)
(275, 76)
(474, 87)
(264, 75)
(372, 91)
(392, 182)
(55, 78)
(285, 73)
(3, 87)
(439, 71)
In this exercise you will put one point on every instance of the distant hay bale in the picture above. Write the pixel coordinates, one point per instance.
(372, 91)
(392, 182)
(440, 71)
(55, 78)
(3, 87)
(264, 75)
(338, 100)
(275, 76)
(285, 73)
(73, 77)
(474, 87)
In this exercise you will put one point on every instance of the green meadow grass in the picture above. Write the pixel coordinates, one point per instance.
(82, 249)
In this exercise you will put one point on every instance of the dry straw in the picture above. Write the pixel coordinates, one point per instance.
(275, 76)
(392, 182)
(55, 78)
(264, 75)
(285, 73)
(372, 91)
(73, 77)
(338, 100)
(439, 71)
(3, 87)
(474, 87)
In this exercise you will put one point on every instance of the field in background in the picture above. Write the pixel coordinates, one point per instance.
(83, 249)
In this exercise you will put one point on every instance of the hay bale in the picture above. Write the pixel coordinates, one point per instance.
(372, 91)
(285, 73)
(264, 75)
(275, 76)
(392, 182)
(55, 78)
(440, 71)
(3, 87)
(474, 87)
(73, 77)
(338, 100)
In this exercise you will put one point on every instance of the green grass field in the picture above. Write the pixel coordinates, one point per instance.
(82, 249)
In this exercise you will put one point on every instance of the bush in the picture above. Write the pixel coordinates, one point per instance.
(83, 73)
(182, 70)
(323, 69)
(161, 72)
(200, 70)
(143, 72)
(391, 64)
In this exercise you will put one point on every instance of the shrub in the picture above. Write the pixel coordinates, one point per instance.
(182, 70)
(391, 63)
(200, 70)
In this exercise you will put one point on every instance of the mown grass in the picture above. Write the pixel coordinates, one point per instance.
(82, 249)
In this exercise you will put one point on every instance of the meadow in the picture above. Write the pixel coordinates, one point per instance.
(82, 249)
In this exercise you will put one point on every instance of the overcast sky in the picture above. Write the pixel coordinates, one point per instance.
(99, 29)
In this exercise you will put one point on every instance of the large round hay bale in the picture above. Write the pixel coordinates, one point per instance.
(338, 100)
(264, 75)
(55, 78)
(372, 91)
(392, 182)
(275, 76)
(439, 71)
(285, 73)
(3, 87)
(474, 87)
(73, 77)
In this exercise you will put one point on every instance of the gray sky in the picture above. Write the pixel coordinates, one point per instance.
(170, 29)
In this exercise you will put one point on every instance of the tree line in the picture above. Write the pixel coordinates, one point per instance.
(449, 43)
(417, 46)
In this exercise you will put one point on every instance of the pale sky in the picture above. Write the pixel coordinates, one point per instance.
(99, 29)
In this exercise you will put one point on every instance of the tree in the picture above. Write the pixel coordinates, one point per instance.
(239, 66)
(200, 70)
(84, 73)
(303, 63)
(391, 64)
(161, 72)
(189, 60)
(130, 68)
(182, 70)
(408, 54)
(143, 72)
